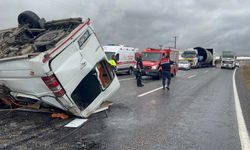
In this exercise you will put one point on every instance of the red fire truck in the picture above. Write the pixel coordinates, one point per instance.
(151, 59)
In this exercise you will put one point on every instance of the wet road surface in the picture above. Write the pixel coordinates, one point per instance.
(197, 113)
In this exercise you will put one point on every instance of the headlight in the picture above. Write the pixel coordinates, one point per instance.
(135, 66)
(155, 67)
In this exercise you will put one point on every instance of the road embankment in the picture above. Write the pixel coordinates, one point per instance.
(246, 74)
(242, 79)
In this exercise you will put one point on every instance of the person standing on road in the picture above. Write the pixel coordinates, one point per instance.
(113, 62)
(166, 70)
(139, 67)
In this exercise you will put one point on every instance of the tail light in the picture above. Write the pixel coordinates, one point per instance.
(54, 85)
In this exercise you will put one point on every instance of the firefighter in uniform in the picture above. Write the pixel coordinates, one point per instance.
(139, 67)
(166, 70)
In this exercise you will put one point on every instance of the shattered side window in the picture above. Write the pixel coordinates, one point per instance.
(105, 73)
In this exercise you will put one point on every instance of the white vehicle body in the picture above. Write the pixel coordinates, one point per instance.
(228, 60)
(191, 55)
(125, 57)
(73, 75)
(185, 65)
(228, 63)
(237, 64)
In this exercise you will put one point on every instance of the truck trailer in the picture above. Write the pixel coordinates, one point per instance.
(199, 57)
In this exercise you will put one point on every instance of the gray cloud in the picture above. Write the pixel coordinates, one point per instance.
(220, 24)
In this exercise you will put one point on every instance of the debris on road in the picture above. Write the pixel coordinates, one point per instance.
(59, 115)
(76, 123)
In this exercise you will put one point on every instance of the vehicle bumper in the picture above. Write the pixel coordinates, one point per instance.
(228, 66)
(150, 73)
(184, 68)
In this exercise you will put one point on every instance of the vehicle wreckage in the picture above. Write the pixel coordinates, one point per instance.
(56, 64)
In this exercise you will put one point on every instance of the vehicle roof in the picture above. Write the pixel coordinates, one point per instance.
(153, 50)
(118, 48)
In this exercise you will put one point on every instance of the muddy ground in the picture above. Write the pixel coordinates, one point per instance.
(28, 130)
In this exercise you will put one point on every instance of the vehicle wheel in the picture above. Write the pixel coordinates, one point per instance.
(29, 18)
(130, 71)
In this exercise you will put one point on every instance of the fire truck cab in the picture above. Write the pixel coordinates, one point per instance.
(151, 59)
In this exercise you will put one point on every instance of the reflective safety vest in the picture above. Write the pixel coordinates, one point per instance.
(112, 62)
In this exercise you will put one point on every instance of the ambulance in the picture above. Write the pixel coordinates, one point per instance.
(124, 55)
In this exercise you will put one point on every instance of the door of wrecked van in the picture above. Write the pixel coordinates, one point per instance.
(83, 71)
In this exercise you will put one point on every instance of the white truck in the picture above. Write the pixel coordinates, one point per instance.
(57, 63)
(228, 60)
(199, 57)
(190, 55)
(125, 57)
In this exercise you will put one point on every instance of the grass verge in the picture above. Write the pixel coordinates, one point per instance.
(246, 73)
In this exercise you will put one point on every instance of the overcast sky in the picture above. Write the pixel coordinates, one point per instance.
(218, 24)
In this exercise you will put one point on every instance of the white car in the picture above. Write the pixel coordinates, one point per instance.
(185, 65)
(237, 64)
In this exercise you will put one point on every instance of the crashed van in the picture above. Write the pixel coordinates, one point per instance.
(56, 63)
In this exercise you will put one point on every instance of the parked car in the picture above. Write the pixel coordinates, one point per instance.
(237, 64)
(184, 65)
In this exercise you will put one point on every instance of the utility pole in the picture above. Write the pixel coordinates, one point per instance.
(160, 46)
(175, 38)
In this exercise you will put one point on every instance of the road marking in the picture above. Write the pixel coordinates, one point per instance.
(192, 76)
(243, 133)
(205, 71)
(126, 79)
(146, 93)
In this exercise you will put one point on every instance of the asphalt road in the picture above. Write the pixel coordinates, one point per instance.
(197, 113)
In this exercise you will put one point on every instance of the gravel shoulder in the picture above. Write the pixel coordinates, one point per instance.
(244, 95)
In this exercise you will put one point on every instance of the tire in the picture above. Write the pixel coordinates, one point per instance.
(29, 18)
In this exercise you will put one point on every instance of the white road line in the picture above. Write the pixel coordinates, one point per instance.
(192, 76)
(146, 93)
(243, 133)
(205, 71)
(126, 79)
